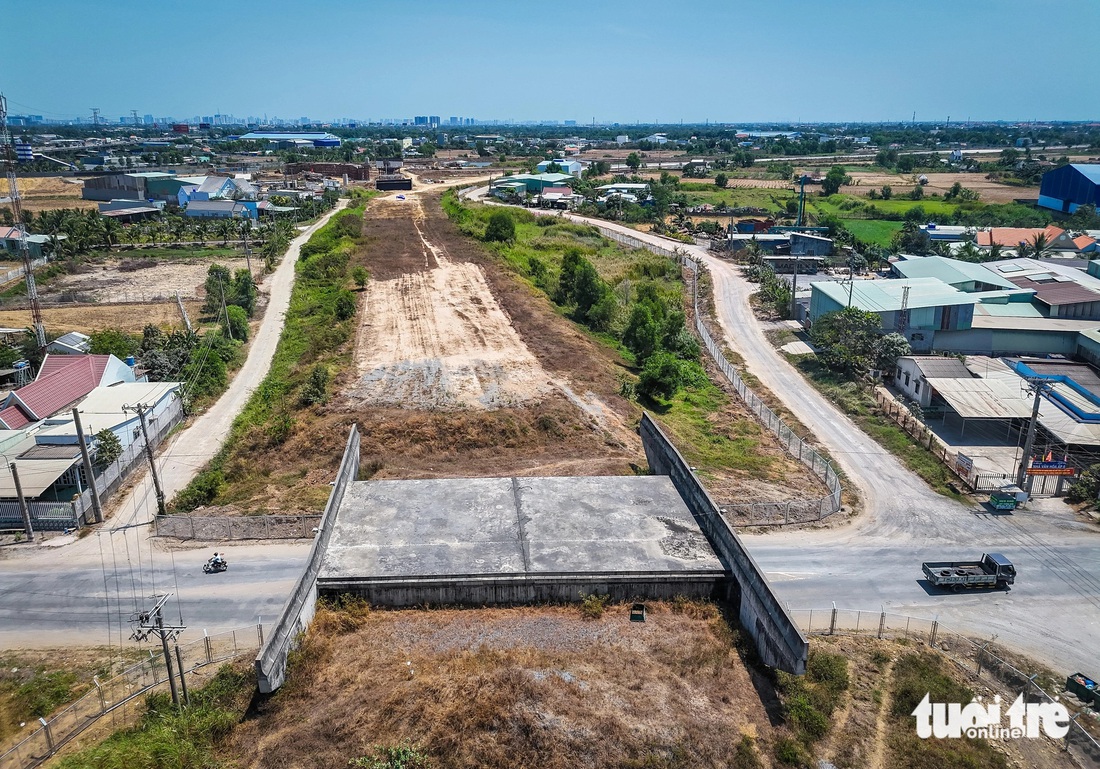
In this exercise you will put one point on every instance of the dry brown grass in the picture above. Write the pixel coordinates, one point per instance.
(86, 318)
(44, 193)
(535, 687)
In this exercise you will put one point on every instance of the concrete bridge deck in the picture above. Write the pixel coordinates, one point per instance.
(508, 540)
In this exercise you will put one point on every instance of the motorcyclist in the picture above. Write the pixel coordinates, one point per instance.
(217, 560)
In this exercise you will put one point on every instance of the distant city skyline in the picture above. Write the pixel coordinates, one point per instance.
(789, 61)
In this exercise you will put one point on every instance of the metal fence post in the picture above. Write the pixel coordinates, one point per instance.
(49, 735)
(206, 643)
(935, 627)
(881, 622)
(832, 621)
(102, 699)
(260, 632)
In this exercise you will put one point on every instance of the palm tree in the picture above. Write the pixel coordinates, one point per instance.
(995, 252)
(202, 230)
(224, 228)
(1041, 245)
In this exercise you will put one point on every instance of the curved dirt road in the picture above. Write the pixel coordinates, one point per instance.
(1052, 613)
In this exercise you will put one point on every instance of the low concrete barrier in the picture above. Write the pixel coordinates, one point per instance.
(302, 604)
(778, 640)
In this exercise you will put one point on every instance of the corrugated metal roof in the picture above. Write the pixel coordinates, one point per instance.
(886, 295)
(1090, 171)
(1058, 292)
(35, 476)
(974, 398)
(66, 451)
(950, 271)
(937, 366)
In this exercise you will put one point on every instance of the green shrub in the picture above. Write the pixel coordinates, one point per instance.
(501, 228)
(315, 391)
(235, 324)
(593, 605)
(203, 490)
(345, 305)
(661, 376)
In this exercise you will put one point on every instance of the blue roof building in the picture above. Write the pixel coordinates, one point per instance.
(1068, 188)
(319, 138)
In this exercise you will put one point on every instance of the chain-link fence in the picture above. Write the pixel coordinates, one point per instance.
(755, 513)
(119, 699)
(972, 656)
(212, 528)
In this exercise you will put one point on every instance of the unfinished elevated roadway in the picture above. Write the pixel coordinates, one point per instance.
(484, 541)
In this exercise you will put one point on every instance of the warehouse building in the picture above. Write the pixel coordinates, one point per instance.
(1069, 187)
(290, 140)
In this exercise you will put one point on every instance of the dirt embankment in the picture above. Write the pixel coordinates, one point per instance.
(451, 341)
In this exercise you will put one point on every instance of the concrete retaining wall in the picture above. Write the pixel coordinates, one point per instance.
(498, 590)
(778, 640)
(300, 607)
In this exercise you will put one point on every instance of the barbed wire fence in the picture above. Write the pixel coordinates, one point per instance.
(972, 656)
(120, 698)
(754, 513)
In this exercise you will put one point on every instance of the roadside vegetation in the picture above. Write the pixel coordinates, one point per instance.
(319, 323)
(166, 736)
(631, 300)
(34, 688)
(850, 344)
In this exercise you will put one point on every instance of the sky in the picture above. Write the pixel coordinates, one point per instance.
(593, 60)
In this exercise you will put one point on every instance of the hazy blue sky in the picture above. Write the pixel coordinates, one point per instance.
(779, 60)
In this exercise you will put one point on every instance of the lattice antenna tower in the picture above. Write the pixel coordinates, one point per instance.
(903, 313)
(20, 228)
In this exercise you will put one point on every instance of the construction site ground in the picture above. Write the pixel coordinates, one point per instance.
(45, 193)
(138, 279)
(559, 686)
(461, 369)
(86, 318)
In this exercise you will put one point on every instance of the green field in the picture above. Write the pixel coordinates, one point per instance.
(876, 231)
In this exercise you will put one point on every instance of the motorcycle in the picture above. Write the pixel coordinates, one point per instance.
(214, 567)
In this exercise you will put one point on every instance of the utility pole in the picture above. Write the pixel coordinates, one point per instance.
(21, 227)
(794, 289)
(140, 409)
(151, 623)
(22, 503)
(1040, 387)
(97, 506)
(225, 312)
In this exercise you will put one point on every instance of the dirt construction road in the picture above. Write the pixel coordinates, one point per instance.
(437, 338)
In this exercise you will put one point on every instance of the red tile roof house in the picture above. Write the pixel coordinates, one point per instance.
(62, 381)
(1011, 237)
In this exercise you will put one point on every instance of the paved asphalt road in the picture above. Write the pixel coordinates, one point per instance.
(65, 593)
(75, 591)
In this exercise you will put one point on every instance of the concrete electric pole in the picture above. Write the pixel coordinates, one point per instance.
(140, 409)
(151, 623)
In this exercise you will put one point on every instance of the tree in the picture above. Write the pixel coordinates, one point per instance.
(360, 275)
(501, 229)
(916, 193)
(633, 161)
(834, 180)
(642, 335)
(217, 287)
(110, 341)
(315, 391)
(887, 192)
(243, 291)
(721, 180)
(235, 323)
(847, 339)
(108, 448)
(888, 348)
(1040, 245)
(661, 376)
